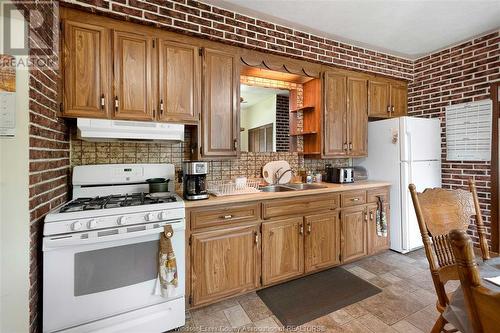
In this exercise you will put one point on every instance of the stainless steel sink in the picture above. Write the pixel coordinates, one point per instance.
(276, 188)
(291, 187)
(305, 186)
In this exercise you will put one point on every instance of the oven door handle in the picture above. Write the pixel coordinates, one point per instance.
(55, 242)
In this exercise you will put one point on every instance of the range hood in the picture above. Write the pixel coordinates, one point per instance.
(113, 130)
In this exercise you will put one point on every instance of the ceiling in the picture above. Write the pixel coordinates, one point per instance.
(253, 95)
(407, 28)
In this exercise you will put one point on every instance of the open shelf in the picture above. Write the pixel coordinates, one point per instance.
(303, 109)
(304, 133)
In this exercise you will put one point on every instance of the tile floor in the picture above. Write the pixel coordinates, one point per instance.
(405, 305)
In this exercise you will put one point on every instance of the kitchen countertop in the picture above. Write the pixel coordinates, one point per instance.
(331, 188)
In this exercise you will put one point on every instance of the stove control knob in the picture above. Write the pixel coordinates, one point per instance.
(149, 217)
(76, 226)
(93, 224)
(163, 215)
(123, 220)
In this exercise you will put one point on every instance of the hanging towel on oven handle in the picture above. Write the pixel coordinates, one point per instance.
(381, 218)
(167, 279)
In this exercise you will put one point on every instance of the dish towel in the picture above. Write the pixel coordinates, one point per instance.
(381, 218)
(167, 281)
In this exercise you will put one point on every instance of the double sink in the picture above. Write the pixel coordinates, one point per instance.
(291, 187)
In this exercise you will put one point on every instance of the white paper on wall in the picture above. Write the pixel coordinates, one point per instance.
(7, 114)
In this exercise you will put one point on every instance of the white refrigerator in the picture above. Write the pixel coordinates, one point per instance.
(402, 151)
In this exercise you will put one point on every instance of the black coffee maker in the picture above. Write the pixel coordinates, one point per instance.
(194, 180)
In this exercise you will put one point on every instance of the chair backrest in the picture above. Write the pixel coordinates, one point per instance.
(483, 304)
(438, 212)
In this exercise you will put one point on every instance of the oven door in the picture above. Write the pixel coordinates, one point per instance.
(94, 275)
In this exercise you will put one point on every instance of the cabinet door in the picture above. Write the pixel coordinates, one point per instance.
(399, 100)
(322, 241)
(179, 72)
(85, 66)
(377, 243)
(220, 111)
(379, 99)
(282, 249)
(133, 81)
(335, 122)
(354, 233)
(224, 263)
(357, 90)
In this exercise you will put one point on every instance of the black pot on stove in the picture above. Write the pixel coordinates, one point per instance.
(158, 185)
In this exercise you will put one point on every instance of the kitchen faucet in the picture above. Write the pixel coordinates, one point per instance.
(277, 178)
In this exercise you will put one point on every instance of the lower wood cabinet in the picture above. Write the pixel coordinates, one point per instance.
(282, 249)
(354, 233)
(377, 243)
(322, 241)
(224, 262)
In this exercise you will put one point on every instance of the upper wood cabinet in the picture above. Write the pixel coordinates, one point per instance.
(220, 125)
(282, 249)
(322, 241)
(335, 115)
(345, 115)
(387, 98)
(133, 77)
(85, 67)
(354, 233)
(357, 116)
(224, 263)
(179, 81)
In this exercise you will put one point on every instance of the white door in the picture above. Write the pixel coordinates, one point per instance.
(420, 139)
(424, 174)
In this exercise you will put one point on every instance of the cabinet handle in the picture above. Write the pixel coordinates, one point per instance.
(392, 108)
(309, 228)
(161, 106)
(117, 104)
(103, 102)
(366, 216)
(389, 109)
(256, 238)
(350, 145)
(354, 199)
(226, 217)
(235, 144)
(301, 229)
(345, 146)
(371, 216)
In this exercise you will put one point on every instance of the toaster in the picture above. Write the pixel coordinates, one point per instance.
(339, 175)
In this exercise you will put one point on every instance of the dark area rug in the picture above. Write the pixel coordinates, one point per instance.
(300, 301)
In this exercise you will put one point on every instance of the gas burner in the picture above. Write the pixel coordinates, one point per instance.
(115, 201)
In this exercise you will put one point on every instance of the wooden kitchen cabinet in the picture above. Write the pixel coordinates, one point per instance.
(179, 82)
(224, 263)
(387, 98)
(282, 249)
(220, 125)
(85, 69)
(133, 78)
(377, 243)
(322, 241)
(354, 233)
(335, 115)
(357, 116)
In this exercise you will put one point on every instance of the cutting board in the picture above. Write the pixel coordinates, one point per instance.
(270, 169)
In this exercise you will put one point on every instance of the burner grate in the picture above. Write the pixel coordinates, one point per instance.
(115, 201)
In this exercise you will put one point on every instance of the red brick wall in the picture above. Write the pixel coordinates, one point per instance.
(199, 19)
(455, 75)
(48, 142)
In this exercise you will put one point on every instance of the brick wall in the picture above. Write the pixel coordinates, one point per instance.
(200, 19)
(282, 123)
(48, 138)
(455, 75)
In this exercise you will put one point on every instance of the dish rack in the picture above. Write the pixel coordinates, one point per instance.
(224, 187)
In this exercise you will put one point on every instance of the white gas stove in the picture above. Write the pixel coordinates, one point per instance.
(101, 252)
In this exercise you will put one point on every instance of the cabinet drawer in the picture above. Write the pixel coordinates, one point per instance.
(353, 198)
(215, 216)
(301, 205)
(378, 192)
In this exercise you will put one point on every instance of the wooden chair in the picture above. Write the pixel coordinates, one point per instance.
(438, 212)
(482, 304)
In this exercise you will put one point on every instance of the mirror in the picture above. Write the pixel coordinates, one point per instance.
(264, 119)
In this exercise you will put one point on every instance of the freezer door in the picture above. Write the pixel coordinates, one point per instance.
(420, 139)
(424, 174)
